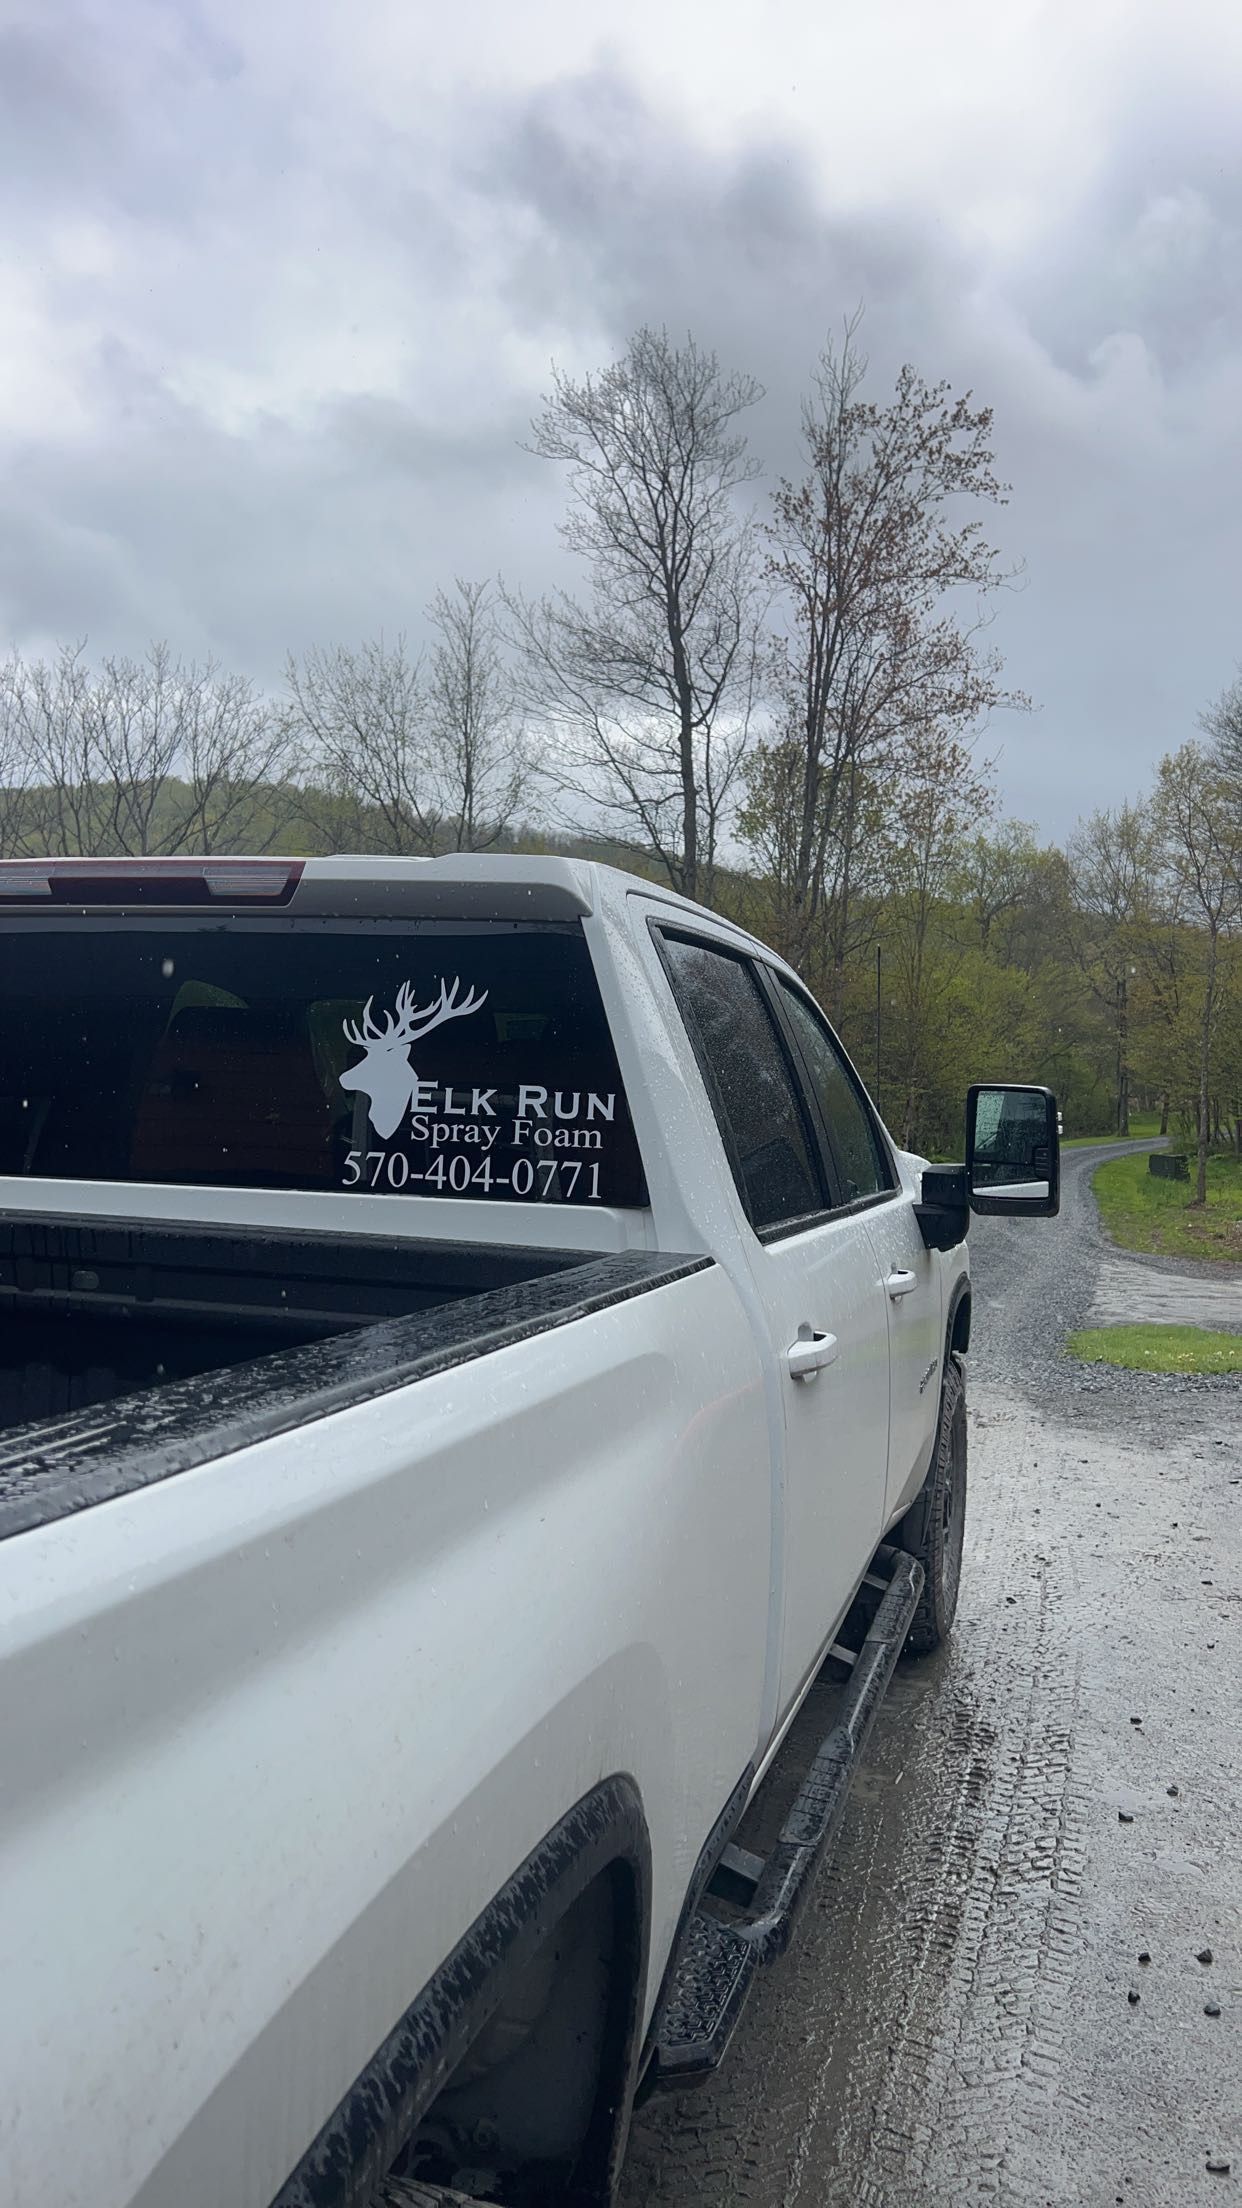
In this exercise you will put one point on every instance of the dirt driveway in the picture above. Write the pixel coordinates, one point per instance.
(966, 2015)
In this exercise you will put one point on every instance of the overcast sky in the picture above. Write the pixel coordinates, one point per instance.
(282, 282)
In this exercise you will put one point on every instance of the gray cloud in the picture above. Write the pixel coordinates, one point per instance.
(1111, 357)
(274, 357)
(56, 125)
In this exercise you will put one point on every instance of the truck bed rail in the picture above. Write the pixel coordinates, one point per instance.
(59, 1466)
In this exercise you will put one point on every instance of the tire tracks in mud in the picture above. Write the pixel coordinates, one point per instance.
(998, 1881)
(929, 1980)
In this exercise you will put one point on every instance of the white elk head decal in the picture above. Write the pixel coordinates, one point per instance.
(385, 1075)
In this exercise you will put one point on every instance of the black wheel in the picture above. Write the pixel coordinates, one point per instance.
(935, 1525)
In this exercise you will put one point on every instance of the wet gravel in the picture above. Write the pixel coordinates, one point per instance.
(1034, 1283)
(996, 1998)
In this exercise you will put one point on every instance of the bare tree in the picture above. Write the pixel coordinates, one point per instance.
(359, 722)
(17, 819)
(648, 688)
(483, 763)
(1202, 827)
(152, 756)
(863, 552)
(51, 700)
(235, 758)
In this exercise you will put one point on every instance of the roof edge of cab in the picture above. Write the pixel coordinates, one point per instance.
(461, 886)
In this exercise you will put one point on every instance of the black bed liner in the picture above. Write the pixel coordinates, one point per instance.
(269, 1276)
(93, 1310)
(56, 1467)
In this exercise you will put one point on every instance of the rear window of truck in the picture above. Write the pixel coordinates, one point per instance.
(421, 1059)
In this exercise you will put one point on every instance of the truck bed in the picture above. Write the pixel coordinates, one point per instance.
(131, 1351)
(91, 1311)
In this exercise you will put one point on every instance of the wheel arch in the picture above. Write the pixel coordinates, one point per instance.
(603, 1841)
(957, 1318)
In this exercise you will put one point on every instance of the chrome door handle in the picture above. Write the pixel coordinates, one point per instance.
(809, 1354)
(901, 1283)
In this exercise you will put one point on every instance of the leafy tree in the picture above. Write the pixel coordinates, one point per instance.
(1114, 861)
(1201, 827)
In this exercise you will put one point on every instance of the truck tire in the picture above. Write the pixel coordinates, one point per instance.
(934, 1526)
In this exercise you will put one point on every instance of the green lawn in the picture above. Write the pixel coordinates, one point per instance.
(1143, 1213)
(1142, 1126)
(1158, 1348)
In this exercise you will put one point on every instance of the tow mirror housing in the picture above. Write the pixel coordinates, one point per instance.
(1013, 1151)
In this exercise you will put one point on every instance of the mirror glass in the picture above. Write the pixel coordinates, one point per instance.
(1011, 1150)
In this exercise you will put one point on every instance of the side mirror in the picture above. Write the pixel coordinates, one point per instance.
(1013, 1151)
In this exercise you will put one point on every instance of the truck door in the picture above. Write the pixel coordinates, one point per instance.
(868, 1183)
(820, 1294)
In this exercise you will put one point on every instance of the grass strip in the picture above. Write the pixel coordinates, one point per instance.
(1158, 1348)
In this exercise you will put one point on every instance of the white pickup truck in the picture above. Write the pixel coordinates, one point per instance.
(471, 1357)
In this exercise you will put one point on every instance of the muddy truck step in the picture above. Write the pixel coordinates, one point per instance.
(718, 1956)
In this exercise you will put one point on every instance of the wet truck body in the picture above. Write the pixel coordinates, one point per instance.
(471, 1354)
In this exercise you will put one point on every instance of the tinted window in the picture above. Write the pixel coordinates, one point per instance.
(435, 1060)
(743, 1058)
(863, 1164)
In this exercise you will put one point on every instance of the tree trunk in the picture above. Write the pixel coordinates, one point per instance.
(1205, 1059)
(689, 784)
(806, 833)
(837, 1004)
(1123, 1053)
(1164, 1113)
(909, 1124)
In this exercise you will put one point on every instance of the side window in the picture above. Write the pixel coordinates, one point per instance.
(744, 1060)
(864, 1165)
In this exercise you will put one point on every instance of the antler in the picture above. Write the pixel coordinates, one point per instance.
(369, 1032)
(411, 1022)
(408, 1022)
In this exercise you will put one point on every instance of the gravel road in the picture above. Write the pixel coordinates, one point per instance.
(966, 2015)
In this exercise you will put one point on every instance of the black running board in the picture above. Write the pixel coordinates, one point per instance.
(717, 1958)
(411, 2192)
